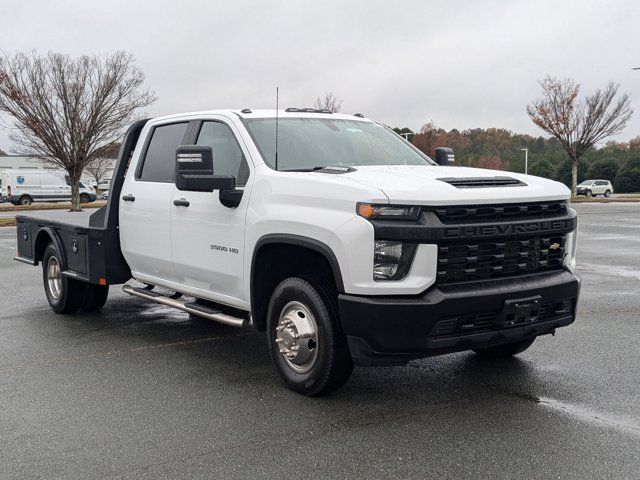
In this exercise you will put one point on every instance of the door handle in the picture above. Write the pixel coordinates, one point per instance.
(129, 198)
(181, 202)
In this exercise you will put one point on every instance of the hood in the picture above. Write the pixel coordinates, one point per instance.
(419, 185)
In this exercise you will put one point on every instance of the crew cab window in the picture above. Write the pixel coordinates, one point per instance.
(160, 158)
(228, 158)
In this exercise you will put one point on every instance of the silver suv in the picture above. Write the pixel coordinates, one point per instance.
(593, 188)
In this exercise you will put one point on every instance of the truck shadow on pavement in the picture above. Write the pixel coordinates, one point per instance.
(235, 357)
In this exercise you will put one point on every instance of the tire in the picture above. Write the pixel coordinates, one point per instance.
(84, 199)
(26, 200)
(95, 296)
(505, 350)
(322, 363)
(65, 295)
(607, 193)
(589, 193)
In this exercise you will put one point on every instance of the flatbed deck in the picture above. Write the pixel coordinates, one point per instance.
(66, 217)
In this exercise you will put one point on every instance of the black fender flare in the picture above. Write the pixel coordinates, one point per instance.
(300, 241)
(53, 236)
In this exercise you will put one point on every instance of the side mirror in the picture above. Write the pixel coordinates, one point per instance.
(194, 170)
(444, 156)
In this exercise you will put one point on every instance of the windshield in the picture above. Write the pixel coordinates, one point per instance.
(586, 182)
(308, 143)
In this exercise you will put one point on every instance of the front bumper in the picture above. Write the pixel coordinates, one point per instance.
(391, 330)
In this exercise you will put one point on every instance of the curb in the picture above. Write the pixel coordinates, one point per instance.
(56, 206)
(8, 222)
(606, 200)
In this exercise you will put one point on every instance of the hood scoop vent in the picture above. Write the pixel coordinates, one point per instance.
(483, 182)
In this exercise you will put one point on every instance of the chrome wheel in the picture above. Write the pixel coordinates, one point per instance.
(297, 337)
(54, 278)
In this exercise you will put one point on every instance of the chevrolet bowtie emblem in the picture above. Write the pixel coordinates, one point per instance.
(554, 246)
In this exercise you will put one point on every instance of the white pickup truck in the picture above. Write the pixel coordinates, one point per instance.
(330, 232)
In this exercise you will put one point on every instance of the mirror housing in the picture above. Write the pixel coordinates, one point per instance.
(444, 157)
(194, 170)
(194, 173)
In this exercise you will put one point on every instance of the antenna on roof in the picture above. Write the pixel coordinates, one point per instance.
(277, 106)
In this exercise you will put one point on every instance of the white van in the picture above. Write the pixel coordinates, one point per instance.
(25, 186)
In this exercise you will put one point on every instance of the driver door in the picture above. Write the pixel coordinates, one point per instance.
(207, 238)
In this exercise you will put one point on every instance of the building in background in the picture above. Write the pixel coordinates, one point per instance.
(23, 162)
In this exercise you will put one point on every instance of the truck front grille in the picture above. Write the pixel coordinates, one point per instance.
(484, 260)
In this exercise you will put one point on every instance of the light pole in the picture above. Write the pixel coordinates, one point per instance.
(526, 159)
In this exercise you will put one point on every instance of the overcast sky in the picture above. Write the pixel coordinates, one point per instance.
(461, 64)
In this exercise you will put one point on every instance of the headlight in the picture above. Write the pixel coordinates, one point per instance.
(392, 260)
(387, 212)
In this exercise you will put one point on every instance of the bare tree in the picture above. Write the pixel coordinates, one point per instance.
(579, 124)
(98, 167)
(67, 110)
(328, 102)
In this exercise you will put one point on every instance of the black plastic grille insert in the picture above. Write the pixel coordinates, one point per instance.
(500, 212)
(484, 260)
(485, 321)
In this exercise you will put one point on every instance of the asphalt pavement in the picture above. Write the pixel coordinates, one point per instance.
(139, 391)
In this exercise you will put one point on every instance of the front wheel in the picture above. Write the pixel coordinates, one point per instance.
(505, 350)
(306, 342)
(84, 199)
(589, 193)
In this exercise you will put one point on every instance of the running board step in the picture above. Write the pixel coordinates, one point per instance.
(190, 307)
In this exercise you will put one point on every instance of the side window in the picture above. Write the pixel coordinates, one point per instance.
(160, 158)
(228, 158)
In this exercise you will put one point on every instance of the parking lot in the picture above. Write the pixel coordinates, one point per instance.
(142, 391)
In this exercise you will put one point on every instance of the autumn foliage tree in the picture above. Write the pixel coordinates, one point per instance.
(66, 110)
(493, 162)
(579, 124)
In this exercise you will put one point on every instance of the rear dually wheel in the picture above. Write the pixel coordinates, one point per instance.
(65, 295)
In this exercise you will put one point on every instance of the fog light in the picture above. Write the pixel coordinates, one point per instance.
(392, 260)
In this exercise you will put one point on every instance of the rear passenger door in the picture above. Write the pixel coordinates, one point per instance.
(207, 237)
(145, 202)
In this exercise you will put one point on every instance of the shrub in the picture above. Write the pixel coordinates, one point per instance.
(542, 168)
(605, 169)
(562, 172)
(628, 178)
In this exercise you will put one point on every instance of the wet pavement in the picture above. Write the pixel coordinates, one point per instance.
(142, 391)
